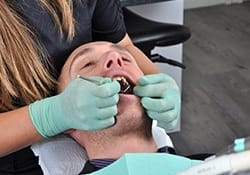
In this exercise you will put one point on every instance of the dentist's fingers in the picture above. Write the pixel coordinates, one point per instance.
(157, 105)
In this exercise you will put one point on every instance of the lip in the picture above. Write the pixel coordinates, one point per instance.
(126, 101)
(127, 98)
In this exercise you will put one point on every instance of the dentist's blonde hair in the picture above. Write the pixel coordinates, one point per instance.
(23, 64)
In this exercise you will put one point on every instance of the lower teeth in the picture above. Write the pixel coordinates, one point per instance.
(125, 88)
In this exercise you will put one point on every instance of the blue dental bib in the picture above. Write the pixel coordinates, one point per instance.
(147, 164)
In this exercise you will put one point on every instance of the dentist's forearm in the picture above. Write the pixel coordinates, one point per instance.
(17, 131)
(145, 64)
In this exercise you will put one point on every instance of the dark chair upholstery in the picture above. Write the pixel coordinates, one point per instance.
(147, 34)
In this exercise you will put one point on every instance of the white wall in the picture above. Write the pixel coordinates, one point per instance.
(168, 11)
(172, 12)
(188, 4)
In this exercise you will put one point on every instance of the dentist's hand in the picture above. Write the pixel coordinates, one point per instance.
(161, 99)
(82, 105)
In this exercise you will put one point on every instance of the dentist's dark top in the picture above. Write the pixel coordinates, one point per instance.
(96, 20)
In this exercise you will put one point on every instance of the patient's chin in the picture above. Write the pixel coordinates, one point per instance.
(130, 114)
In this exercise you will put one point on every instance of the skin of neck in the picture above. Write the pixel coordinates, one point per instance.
(133, 135)
(114, 148)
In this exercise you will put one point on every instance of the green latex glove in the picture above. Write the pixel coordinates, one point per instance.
(161, 99)
(82, 105)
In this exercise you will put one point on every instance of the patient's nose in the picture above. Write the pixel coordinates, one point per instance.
(113, 60)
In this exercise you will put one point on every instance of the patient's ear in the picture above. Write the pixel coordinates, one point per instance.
(65, 77)
(63, 81)
(60, 87)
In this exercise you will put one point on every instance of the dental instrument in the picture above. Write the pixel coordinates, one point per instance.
(122, 81)
(90, 80)
(239, 145)
(231, 160)
(227, 165)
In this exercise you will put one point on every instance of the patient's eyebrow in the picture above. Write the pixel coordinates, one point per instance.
(82, 52)
(79, 54)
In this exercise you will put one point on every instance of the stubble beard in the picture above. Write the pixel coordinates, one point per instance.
(136, 125)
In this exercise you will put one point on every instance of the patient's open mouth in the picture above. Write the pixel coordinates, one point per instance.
(126, 86)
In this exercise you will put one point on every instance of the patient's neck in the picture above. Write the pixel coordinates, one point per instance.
(115, 148)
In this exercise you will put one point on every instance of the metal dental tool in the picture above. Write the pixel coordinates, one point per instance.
(90, 80)
(124, 85)
(126, 88)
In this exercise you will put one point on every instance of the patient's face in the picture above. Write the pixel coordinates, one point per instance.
(100, 59)
(107, 60)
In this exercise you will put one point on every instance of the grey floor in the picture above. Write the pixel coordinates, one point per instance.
(216, 82)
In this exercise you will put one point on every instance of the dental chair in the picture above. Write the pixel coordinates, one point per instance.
(147, 34)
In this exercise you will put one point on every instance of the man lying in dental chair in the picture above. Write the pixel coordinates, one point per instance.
(128, 147)
(132, 131)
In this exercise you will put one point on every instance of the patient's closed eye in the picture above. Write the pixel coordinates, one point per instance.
(126, 59)
(87, 64)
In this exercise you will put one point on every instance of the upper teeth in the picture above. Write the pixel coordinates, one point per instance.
(125, 85)
(123, 79)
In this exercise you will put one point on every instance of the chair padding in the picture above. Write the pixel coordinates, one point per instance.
(148, 33)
